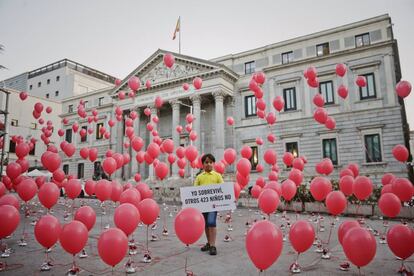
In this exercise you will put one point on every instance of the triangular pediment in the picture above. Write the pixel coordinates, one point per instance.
(185, 67)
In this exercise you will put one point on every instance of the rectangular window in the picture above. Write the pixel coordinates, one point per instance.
(98, 133)
(322, 49)
(47, 96)
(68, 136)
(362, 40)
(14, 123)
(329, 150)
(12, 146)
(100, 101)
(254, 160)
(39, 84)
(289, 95)
(31, 87)
(70, 108)
(32, 151)
(326, 89)
(368, 92)
(86, 104)
(249, 67)
(66, 169)
(57, 78)
(33, 125)
(250, 106)
(373, 148)
(48, 81)
(81, 168)
(293, 148)
(287, 57)
(96, 168)
(56, 93)
(84, 138)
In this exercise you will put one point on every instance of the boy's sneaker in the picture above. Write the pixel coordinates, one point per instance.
(213, 250)
(206, 247)
(344, 266)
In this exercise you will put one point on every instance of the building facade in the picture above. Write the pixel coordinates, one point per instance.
(369, 122)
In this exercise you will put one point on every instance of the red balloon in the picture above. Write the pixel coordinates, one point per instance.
(93, 154)
(270, 156)
(244, 166)
(278, 103)
(264, 244)
(2, 189)
(38, 107)
(268, 201)
(84, 153)
(301, 235)
(342, 91)
(51, 161)
(116, 191)
(48, 195)
(149, 211)
(296, 176)
(273, 176)
(362, 187)
(288, 158)
(386, 189)
(330, 123)
(320, 187)
(47, 231)
(70, 150)
(134, 83)
(132, 196)
(73, 237)
(87, 216)
(318, 100)
(22, 150)
(73, 188)
(119, 159)
(197, 83)
(256, 191)
(354, 168)
(90, 187)
(403, 88)
(271, 118)
(361, 81)
(288, 189)
(161, 170)
(400, 239)
(109, 165)
(275, 186)
(389, 204)
(230, 156)
(103, 190)
(320, 115)
(346, 184)
(13, 170)
(189, 225)
(59, 175)
(126, 218)
(340, 69)
(230, 121)
(335, 202)
(191, 153)
(169, 60)
(400, 153)
(387, 178)
(112, 246)
(403, 188)
(168, 145)
(23, 95)
(298, 164)
(246, 152)
(27, 189)
(144, 190)
(158, 102)
(10, 199)
(9, 220)
(359, 246)
(345, 227)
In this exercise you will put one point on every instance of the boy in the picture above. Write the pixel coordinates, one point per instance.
(207, 177)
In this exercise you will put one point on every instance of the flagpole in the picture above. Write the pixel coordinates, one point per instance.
(179, 36)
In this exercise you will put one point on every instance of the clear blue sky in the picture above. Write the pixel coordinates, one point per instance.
(116, 36)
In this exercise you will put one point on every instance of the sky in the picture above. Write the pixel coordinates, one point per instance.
(116, 36)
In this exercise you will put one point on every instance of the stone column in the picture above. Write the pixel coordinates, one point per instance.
(134, 163)
(154, 110)
(196, 99)
(175, 104)
(219, 126)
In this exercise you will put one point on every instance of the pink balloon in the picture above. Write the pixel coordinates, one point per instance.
(197, 83)
(230, 121)
(112, 246)
(169, 60)
(361, 81)
(362, 187)
(359, 246)
(9, 220)
(87, 216)
(11, 200)
(320, 115)
(256, 191)
(288, 189)
(161, 170)
(23, 95)
(27, 189)
(400, 240)
(230, 156)
(103, 190)
(186, 86)
(261, 104)
(73, 237)
(246, 152)
(271, 118)
(318, 100)
(109, 165)
(84, 153)
(13, 170)
(342, 91)
(126, 218)
(244, 166)
(298, 164)
(268, 201)
(134, 83)
(388, 178)
(345, 227)
(403, 88)
(345, 172)
(335, 202)
(275, 186)
(191, 153)
(330, 123)
(168, 145)
(400, 153)
(259, 141)
(264, 244)
(278, 103)
(260, 181)
(301, 235)
(386, 189)
(320, 187)
(270, 156)
(346, 184)
(288, 158)
(403, 188)
(47, 231)
(189, 225)
(296, 176)
(389, 204)
(73, 188)
(340, 69)
(48, 195)
(354, 168)
(132, 196)
(149, 211)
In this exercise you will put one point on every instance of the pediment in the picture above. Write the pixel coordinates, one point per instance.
(185, 67)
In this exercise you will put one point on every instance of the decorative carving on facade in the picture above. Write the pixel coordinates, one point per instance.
(219, 94)
(161, 73)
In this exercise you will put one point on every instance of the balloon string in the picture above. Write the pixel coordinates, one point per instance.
(147, 238)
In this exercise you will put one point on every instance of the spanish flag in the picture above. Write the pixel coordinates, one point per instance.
(177, 28)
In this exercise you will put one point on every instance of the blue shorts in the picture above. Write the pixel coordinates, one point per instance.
(210, 219)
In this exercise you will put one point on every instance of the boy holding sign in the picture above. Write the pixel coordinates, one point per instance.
(208, 177)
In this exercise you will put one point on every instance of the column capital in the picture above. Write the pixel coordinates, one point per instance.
(175, 104)
(195, 98)
(219, 94)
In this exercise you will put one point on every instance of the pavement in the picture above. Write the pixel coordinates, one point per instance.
(171, 257)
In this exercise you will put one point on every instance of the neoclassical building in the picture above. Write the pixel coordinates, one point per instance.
(369, 122)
